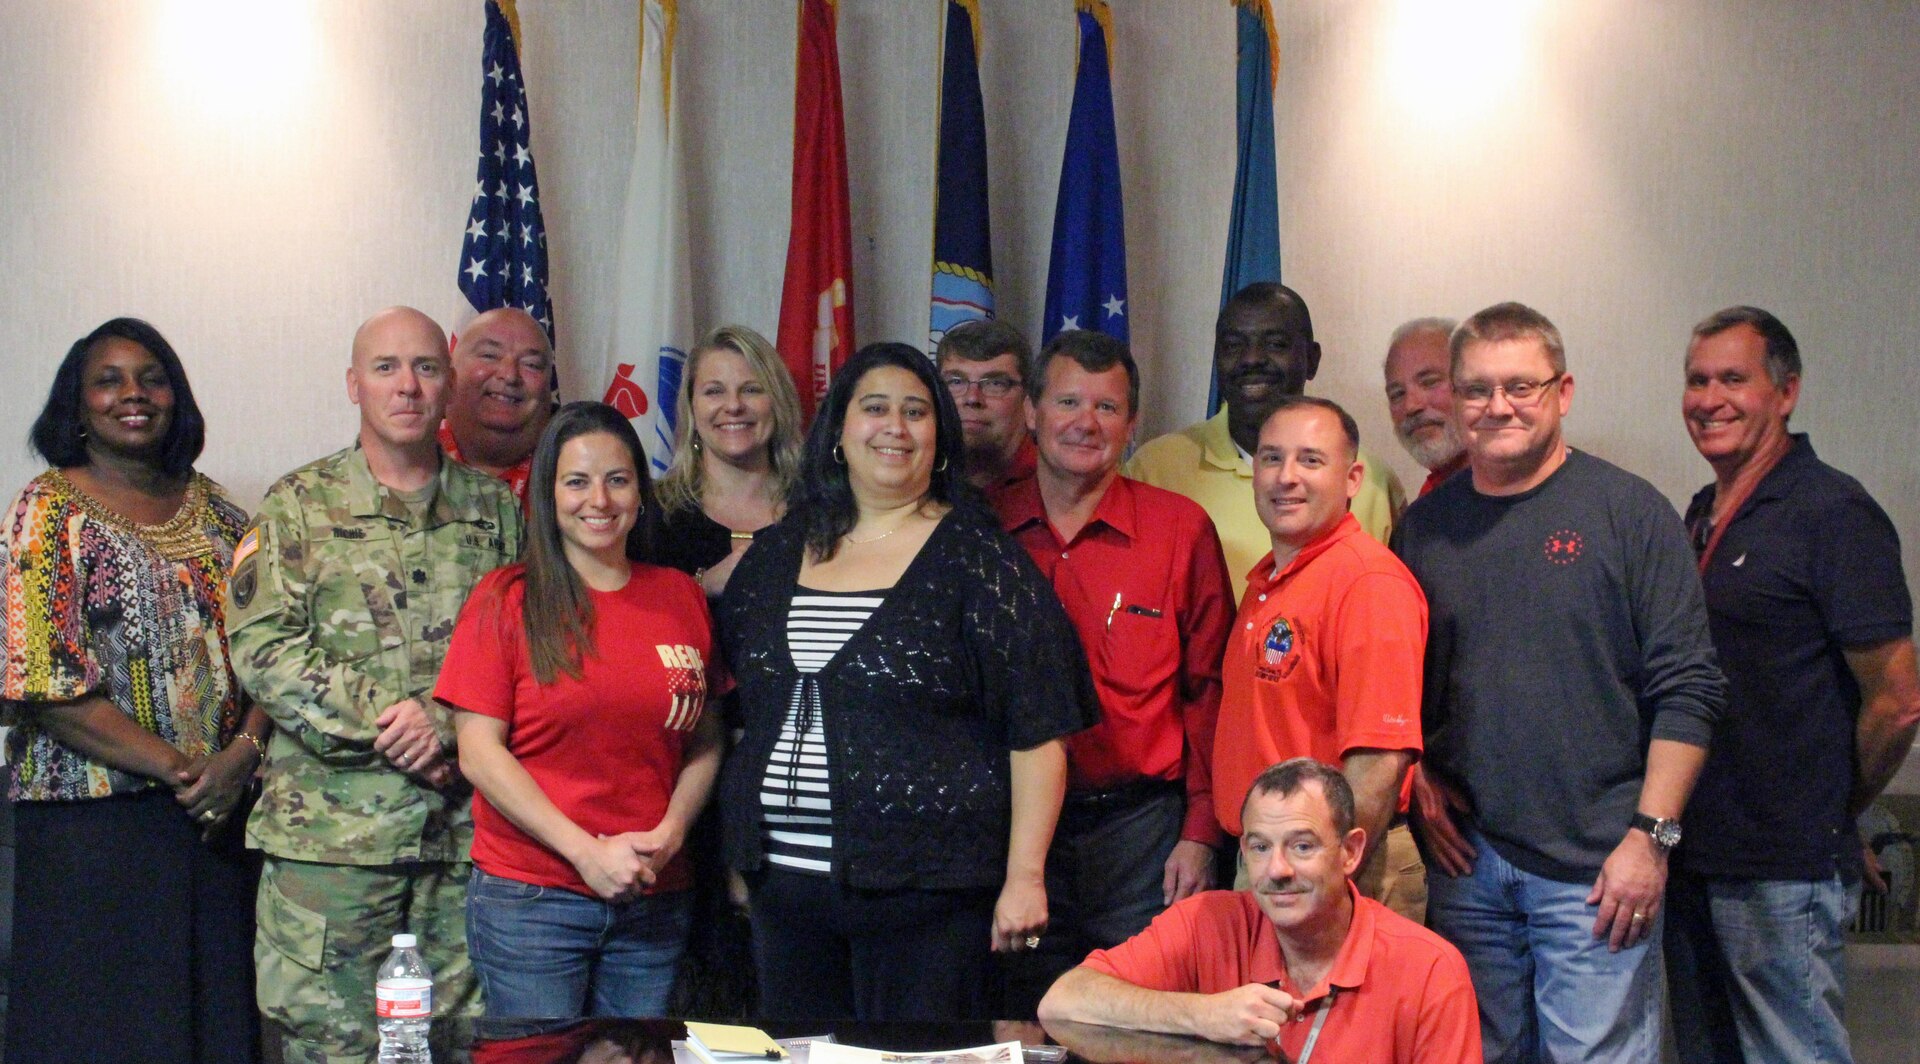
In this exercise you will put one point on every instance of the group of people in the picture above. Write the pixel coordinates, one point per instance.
(960, 679)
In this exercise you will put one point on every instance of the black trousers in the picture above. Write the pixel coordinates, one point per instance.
(1105, 871)
(825, 951)
(132, 939)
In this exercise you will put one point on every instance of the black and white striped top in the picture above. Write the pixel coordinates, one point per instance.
(796, 813)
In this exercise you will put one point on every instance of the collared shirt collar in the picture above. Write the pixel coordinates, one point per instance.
(1349, 968)
(1217, 448)
(1118, 509)
(1350, 964)
(1778, 483)
(1262, 575)
(1026, 460)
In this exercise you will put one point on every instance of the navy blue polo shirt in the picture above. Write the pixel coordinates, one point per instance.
(1808, 568)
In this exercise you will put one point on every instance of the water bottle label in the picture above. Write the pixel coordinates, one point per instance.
(403, 999)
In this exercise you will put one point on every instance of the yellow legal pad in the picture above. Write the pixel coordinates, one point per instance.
(726, 1040)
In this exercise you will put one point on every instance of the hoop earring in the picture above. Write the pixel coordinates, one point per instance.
(942, 467)
(838, 457)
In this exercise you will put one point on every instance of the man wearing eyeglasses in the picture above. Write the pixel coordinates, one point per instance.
(1810, 612)
(1570, 697)
(985, 365)
(1139, 571)
(1263, 351)
(1301, 964)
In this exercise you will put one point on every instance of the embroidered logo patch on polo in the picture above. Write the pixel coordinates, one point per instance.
(1279, 642)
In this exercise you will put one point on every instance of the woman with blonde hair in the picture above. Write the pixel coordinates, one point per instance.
(736, 454)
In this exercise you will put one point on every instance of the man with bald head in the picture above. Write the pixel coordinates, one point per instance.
(342, 597)
(1419, 372)
(1263, 352)
(502, 396)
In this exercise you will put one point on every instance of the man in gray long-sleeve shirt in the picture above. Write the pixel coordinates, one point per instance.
(1571, 692)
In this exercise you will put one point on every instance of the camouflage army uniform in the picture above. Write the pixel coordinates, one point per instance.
(340, 604)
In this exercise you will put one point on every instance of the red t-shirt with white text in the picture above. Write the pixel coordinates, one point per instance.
(606, 748)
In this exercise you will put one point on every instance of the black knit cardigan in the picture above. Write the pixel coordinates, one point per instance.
(971, 656)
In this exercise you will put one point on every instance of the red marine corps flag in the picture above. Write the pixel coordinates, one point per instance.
(816, 305)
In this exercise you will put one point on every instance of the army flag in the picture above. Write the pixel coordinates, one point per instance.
(816, 302)
(1087, 270)
(1253, 227)
(962, 236)
(503, 260)
(653, 309)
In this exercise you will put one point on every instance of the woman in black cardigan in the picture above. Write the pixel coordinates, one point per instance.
(907, 677)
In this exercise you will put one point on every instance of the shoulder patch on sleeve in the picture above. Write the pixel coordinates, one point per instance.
(249, 543)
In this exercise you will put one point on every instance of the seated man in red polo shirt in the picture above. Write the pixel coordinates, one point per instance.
(1301, 963)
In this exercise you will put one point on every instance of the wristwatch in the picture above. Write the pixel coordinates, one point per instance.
(1665, 831)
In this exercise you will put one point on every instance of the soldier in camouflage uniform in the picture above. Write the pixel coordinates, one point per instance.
(343, 595)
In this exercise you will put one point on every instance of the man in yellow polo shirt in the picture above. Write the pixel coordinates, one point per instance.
(1263, 351)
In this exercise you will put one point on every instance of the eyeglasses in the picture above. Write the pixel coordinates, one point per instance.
(993, 386)
(1518, 392)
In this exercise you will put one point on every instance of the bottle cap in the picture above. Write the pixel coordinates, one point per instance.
(405, 941)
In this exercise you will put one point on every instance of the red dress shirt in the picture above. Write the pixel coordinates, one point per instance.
(1145, 584)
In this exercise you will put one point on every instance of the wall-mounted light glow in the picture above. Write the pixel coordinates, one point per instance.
(237, 60)
(1449, 61)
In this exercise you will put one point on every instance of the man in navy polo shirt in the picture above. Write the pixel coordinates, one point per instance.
(1810, 614)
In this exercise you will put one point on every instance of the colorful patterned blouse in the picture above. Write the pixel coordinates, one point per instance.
(94, 603)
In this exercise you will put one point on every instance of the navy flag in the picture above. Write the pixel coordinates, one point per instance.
(503, 262)
(962, 237)
(1087, 273)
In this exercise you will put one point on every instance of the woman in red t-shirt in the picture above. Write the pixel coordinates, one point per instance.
(580, 678)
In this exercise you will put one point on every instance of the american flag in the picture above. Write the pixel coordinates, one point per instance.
(503, 261)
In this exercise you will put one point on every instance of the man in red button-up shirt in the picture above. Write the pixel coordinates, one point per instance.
(1142, 575)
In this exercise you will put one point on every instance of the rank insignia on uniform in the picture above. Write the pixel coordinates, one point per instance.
(1279, 642)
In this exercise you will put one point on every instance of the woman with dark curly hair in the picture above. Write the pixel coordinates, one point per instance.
(907, 676)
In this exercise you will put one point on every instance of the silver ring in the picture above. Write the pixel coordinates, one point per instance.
(406, 759)
(1639, 916)
(1033, 941)
(209, 817)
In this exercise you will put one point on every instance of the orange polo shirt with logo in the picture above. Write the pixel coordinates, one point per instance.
(1325, 657)
(1397, 993)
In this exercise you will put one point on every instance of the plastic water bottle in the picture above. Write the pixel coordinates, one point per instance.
(403, 1004)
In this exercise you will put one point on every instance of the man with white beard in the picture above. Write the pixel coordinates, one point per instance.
(1420, 397)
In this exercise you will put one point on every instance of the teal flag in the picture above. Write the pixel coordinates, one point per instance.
(1253, 229)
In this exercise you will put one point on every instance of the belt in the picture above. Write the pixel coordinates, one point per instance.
(1124, 796)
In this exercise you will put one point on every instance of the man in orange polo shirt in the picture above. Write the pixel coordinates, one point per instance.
(1302, 963)
(1324, 659)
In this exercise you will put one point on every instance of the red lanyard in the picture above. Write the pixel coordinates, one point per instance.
(1734, 503)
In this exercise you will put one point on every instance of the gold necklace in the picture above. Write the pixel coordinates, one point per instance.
(875, 539)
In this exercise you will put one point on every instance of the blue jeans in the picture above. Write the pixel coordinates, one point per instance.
(1548, 989)
(546, 952)
(1758, 969)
